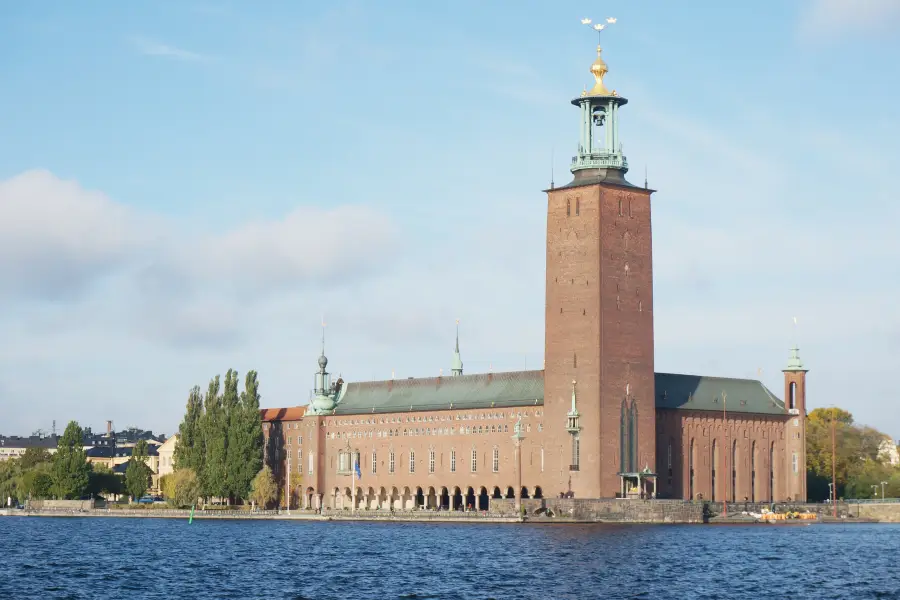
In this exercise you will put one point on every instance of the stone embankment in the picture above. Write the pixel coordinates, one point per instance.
(550, 510)
(583, 510)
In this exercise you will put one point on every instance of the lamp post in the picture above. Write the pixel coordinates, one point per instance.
(833, 464)
(831, 492)
(517, 438)
(352, 478)
(725, 452)
(287, 483)
(883, 483)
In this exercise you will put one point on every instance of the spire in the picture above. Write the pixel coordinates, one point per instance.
(457, 365)
(323, 362)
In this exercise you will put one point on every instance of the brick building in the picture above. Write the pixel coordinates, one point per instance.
(596, 422)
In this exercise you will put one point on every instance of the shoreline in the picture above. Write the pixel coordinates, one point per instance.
(395, 518)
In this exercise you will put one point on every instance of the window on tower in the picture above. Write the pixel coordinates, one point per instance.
(568, 207)
(577, 206)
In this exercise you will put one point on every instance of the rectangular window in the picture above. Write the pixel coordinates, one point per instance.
(577, 206)
(576, 453)
(391, 462)
(343, 461)
(496, 464)
(431, 461)
(412, 461)
(474, 460)
(374, 462)
(299, 440)
(311, 460)
(453, 461)
(795, 462)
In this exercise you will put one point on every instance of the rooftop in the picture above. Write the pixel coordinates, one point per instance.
(526, 388)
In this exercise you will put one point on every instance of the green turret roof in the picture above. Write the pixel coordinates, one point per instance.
(794, 362)
(526, 388)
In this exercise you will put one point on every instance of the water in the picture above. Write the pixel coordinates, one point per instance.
(159, 558)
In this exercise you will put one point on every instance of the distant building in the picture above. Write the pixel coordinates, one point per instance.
(117, 459)
(167, 456)
(888, 453)
(14, 446)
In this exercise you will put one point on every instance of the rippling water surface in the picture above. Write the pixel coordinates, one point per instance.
(161, 558)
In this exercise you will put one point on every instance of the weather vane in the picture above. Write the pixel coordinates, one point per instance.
(599, 27)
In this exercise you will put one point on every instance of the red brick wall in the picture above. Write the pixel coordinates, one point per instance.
(678, 428)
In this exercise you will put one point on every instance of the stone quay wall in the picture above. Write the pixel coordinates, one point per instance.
(888, 512)
(60, 504)
(605, 510)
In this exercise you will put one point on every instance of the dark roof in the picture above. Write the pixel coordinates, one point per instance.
(15, 441)
(526, 388)
(696, 392)
(107, 452)
(485, 390)
(594, 176)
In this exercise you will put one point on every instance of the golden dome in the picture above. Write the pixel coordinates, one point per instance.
(599, 70)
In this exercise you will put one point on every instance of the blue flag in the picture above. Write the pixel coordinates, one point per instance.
(356, 468)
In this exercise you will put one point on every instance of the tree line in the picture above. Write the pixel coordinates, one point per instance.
(860, 466)
(220, 443)
(67, 474)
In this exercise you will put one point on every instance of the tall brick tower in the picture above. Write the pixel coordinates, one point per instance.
(599, 381)
(795, 432)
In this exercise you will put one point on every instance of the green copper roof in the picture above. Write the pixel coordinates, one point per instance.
(794, 362)
(694, 392)
(485, 390)
(526, 388)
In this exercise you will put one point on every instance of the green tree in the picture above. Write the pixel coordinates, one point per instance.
(213, 478)
(825, 415)
(854, 454)
(34, 457)
(181, 488)
(10, 481)
(231, 414)
(104, 482)
(245, 439)
(71, 470)
(264, 490)
(37, 482)
(190, 451)
(137, 474)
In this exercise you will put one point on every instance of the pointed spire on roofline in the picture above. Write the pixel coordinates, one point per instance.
(456, 367)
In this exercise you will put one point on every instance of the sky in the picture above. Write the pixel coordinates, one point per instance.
(187, 187)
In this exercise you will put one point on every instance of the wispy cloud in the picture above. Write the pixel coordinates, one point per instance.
(149, 47)
(828, 18)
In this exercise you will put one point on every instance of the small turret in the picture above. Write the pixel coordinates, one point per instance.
(325, 393)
